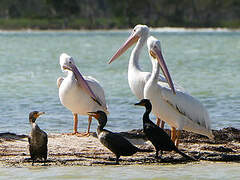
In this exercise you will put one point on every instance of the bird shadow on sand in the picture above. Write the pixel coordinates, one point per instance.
(7, 136)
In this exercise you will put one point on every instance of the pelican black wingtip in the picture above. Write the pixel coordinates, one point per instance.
(96, 101)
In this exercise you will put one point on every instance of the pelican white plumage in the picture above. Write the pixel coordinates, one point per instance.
(136, 77)
(180, 110)
(80, 94)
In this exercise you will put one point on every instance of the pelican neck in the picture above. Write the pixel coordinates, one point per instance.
(71, 75)
(134, 58)
(155, 70)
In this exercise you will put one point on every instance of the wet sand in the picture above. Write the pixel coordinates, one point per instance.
(70, 150)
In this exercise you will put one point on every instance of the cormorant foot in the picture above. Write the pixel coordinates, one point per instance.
(158, 158)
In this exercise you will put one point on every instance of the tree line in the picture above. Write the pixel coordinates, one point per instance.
(108, 14)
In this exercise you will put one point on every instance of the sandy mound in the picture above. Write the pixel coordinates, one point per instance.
(69, 150)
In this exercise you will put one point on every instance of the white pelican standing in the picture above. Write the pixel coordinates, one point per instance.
(79, 94)
(136, 77)
(179, 109)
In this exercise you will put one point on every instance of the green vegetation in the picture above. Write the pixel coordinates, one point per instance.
(108, 14)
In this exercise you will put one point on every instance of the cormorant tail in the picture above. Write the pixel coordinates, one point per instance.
(185, 155)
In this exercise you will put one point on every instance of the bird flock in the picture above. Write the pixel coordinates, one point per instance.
(169, 102)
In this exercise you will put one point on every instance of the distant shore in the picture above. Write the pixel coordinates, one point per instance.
(65, 150)
(153, 29)
(84, 24)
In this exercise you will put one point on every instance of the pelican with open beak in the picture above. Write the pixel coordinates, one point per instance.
(80, 94)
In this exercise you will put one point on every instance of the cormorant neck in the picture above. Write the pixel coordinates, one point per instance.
(102, 123)
(134, 58)
(32, 120)
(33, 125)
(100, 129)
(100, 126)
(146, 114)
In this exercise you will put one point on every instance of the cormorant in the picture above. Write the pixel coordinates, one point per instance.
(158, 137)
(37, 139)
(116, 143)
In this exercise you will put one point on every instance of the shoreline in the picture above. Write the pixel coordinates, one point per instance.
(69, 150)
(153, 29)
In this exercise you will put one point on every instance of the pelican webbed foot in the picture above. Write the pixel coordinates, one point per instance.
(86, 134)
(79, 134)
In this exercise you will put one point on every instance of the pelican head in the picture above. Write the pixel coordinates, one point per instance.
(34, 115)
(100, 116)
(155, 53)
(140, 30)
(137, 32)
(66, 62)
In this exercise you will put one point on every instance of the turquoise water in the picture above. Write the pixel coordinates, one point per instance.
(206, 64)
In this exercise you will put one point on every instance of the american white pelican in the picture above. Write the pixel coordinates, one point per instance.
(136, 77)
(179, 110)
(80, 94)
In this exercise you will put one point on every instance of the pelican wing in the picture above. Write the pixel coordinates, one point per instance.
(97, 89)
(162, 78)
(188, 106)
(59, 81)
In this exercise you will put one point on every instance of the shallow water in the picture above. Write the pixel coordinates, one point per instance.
(164, 172)
(206, 64)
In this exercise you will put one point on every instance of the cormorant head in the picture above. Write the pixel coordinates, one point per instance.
(146, 103)
(100, 116)
(34, 115)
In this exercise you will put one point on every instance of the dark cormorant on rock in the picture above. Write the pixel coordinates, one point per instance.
(37, 139)
(158, 137)
(116, 143)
